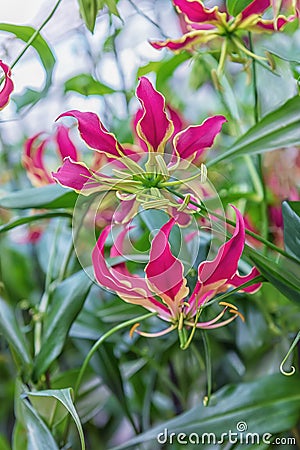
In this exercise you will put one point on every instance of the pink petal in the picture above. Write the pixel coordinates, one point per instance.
(154, 127)
(175, 116)
(131, 289)
(32, 160)
(237, 280)
(197, 138)
(136, 118)
(195, 11)
(164, 272)
(125, 211)
(94, 133)
(225, 264)
(275, 24)
(256, 7)
(65, 145)
(177, 119)
(118, 249)
(188, 41)
(7, 87)
(75, 175)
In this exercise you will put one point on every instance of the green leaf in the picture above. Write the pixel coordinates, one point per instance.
(39, 436)
(111, 5)
(47, 404)
(290, 57)
(284, 274)
(19, 436)
(291, 229)
(248, 402)
(12, 332)
(107, 366)
(47, 197)
(88, 10)
(234, 7)
(278, 129)
(46, 56)
(86, 85)
(28, 219)
(66, 302)
(164, 69)
(4, 445)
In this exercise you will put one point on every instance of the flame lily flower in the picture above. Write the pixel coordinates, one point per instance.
(164, 289)
(8, 85)
(130, 180)
(34, 160)
(208, 24)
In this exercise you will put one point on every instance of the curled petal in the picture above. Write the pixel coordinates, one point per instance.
(257, 7)
(164, 272)
(7, 87)
(273, 25)
(238, 280)
(195, 11)
(154, 127)
(225, 264)
(64, 144)
(195, 139)
(32, 160)
(77, 176)
(188, 41)
(132, 289)
(95, 134)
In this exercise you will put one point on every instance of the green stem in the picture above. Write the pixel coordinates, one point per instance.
(208, 367)
(264, 203)
(92, 352)
(97, 344)
(293, 370)
(231, 222)
(36, 33)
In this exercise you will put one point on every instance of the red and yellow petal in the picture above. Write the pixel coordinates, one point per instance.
(77, 176)
(95, 134)
(8, 85)
(164, 272)
(195, 11)
(154, 126)
(196, 138)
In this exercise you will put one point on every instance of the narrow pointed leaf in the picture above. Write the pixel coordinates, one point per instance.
(62, 396)
(66, 303)
(86, 85)
(278, 129)
(249, 402)
(38, 434)
(88, 10)
(46, 197)
(12, 332)
(45, 54)
(25, 220)
(291, 230)
(107, 366)
(284, 275)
